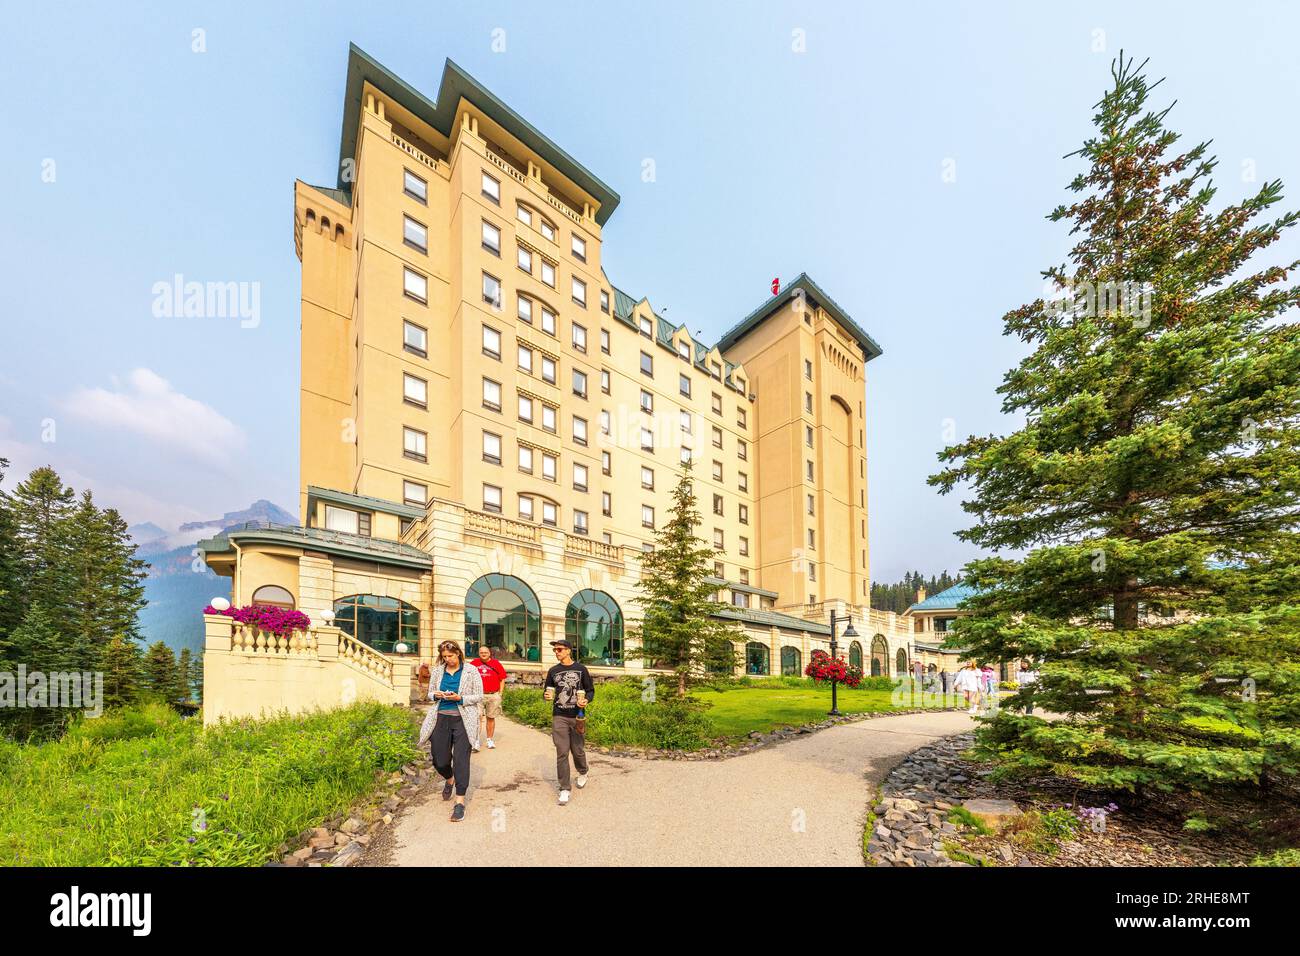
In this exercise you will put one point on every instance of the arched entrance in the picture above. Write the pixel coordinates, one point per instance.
(502, 612)
(879, 656)
(593, 623)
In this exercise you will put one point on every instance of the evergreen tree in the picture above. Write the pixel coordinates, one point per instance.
(159, 674)
(41, 646)
(678, 630)
(11, 607)
(40, 507)
(121, 666)
(106, 579)
(1157, 471)
(196, 678)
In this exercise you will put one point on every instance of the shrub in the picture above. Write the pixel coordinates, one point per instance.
(619, 716)
(823, 667)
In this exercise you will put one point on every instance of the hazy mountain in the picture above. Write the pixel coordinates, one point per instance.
(179, 584)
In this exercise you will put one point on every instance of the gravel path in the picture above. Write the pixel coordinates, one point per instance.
(801, 803)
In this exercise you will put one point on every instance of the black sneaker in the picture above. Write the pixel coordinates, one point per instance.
(446, 790)
(458, 813)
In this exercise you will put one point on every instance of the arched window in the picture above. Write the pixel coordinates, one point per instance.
(791, 661)
(855, 655)
(879, 657)
(381, 622)
(900, 662)
(272, 595)
(593, 623)
(502, 612)
(757, 658)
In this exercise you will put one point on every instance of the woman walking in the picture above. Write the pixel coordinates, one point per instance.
(451, 727)
(968, 683)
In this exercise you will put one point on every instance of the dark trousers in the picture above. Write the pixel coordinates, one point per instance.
(565, 736)
(449, 748)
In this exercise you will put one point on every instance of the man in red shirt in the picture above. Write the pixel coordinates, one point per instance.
(493, 674)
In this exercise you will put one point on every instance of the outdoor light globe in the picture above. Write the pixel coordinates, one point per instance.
(327, 616)
(220, 604)
(402, 648)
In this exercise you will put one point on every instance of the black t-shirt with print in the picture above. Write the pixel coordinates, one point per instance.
(566, 679)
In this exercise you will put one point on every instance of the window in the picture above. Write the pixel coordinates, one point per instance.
(684, 420)
(719, 571)
(604, 422)
(808, 435)
(740, 384)
(717, 371)
(744, 553)
(717, 504)
(719, 540)
(578, 246)
(717, 437)
(548, 418)
(524, 215)
(415, 391)
(684, 385)
(812, 505)
(604, 301)
(604, 341)
(548, 369)
(684, 350)
(549, 465)
(647, 516)
(579, 383)
(384, 623)
(807, 369)
(548, 321)
(741, 418)
(414, 493)
(812, 539)
(492, 290)
(578, 334)
(526, 507)
(579, 430)
(742, 450)
(685, 455)
(491, 395)
(812, 571)
(492, 189)
(342, 519)
(593, 624)
(717, 471)
(578, 289)
(415, 285)
(548, 230)
(579, 477)
(548, 273)
(415, 234)
(579, 522)
(647, 478)
(492, 448)
(415, 187)
(647, 402)
(491, 342)
(526, 459)
(742, 480)
(807, 401)
(717, 404)
(647, 364)
(525, 409)
(524, 259)
(550, 513)
(647, 440)
(646, 327)
(809, 466)
(526, 359)
(525, 310)
(604, 380)
(492, 499)
(491, 238)
(414, 444)
(743, 512)
(415, 339)
(606, 504)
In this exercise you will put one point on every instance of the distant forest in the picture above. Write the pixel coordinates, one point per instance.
(899, 597)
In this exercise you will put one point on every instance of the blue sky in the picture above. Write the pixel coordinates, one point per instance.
(768, 162)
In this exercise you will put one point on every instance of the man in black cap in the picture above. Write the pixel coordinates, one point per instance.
(568, 686)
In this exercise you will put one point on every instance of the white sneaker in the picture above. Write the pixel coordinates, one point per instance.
(564, 797)
(491, 745)
(581, 781)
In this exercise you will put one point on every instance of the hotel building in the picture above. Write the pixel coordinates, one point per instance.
(491, 427)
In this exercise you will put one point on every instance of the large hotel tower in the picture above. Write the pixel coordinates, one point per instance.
(491, 427)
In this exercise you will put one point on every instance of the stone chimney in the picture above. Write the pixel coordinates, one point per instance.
(920, 595)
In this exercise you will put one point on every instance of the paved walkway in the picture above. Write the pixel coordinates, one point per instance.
(800, 803)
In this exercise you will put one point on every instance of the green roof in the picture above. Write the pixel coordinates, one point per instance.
(366, 502)
(379, 550)
(813, 292)
(457, 85)
(949, 600)
(770, 619)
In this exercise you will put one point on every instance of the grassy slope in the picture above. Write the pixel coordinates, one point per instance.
(136, 787)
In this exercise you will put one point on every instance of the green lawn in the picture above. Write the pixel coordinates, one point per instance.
(736, 712)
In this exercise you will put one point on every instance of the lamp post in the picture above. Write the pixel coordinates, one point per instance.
(848, 634)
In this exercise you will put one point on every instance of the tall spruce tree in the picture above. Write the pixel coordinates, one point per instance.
(159, 677)
(678, 630)
(1155, 482)
(122, 671)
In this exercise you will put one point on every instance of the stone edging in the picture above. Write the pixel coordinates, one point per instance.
(757, 739)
